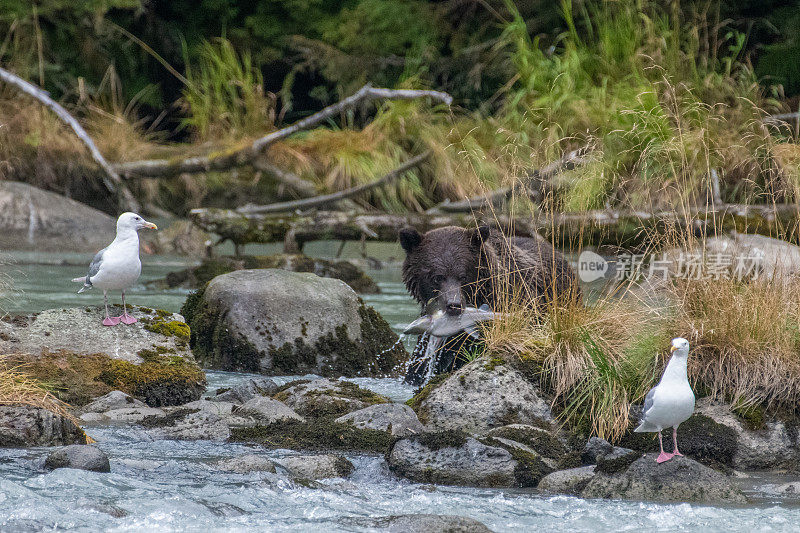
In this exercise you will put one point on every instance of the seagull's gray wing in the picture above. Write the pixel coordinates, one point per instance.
(94, 268)
(648, 401)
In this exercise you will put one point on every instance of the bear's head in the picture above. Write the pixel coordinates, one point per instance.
(445, 264)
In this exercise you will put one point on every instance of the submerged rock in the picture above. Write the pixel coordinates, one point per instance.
(78, 330)
(196, 277)
(425, 523)
(33, 219)
(244, 464)
(480, 396)
(316, 466)
(277, 322)
(80, 456)
(399, 420)
(570, 481)
(325, 397)
(25, 425)
(453, 458)
(678, 480)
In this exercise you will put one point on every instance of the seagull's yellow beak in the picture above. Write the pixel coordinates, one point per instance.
(673, 348)
(150, 225)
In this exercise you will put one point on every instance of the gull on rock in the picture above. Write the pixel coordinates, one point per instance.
(671, 401)
(117, 266)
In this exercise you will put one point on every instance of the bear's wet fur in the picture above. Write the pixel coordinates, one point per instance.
(488, 266)
(471, 267)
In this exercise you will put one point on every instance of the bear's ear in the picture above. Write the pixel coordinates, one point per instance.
(479, 235)
(409, 239)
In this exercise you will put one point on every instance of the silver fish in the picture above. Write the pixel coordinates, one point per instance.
(440, 324)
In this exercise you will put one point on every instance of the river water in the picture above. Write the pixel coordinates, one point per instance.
(161, 485)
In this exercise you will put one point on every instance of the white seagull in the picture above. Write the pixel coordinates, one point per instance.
(117, 266)
(671, 401)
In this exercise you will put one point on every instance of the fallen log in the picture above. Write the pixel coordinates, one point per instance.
(327, 199)
(156, 168)
(111, 181)
(627, 228)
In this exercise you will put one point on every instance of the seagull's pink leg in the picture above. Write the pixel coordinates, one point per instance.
(675, 442)
(662, 457)
(108, 320)
(125, 317)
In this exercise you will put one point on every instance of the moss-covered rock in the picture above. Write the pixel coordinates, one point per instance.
(323, 397)
(26, 425)
(196, 277)
(319, 434)
(79, 330)
(79, 378)
(279, 323)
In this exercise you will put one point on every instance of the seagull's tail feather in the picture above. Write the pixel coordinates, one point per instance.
(79, 280)
(86, 283)
(645, 427)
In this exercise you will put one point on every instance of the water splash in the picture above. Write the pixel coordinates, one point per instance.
(390, 348)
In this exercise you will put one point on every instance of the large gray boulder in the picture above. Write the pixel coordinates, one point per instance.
(452, 458)
(81, 456)
(399, 420)
(480, 396)
(678, 480)
(278, 322)
(570, 481)
(79, 330)
(33, 219)
(24, 425)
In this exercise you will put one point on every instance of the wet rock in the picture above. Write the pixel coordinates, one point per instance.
(325, 397)
(316, 434)
(678, 480)
(480, 396)
(266, 410)
(188, 424)
(221, 409)
(399, 420)
(277, 322)
(24, 425)
(196, 277)
(533, 440)
(82, 456)
(78, 379)
(570, 481)
(113, 400)
(242, 392)
(426, 523)
(78, 330)
(33, 219)
(789, 491)
(316, 466)
(131, 414)
(595, 447)
(452, 458)
(244, 464)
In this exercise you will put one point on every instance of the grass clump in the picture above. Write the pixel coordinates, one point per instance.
(17, 387)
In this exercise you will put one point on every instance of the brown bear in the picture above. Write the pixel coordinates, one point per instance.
(471, 267)
(462, 267)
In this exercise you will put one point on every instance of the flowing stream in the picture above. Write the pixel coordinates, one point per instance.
(171, 485)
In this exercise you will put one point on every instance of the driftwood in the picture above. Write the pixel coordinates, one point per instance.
(244, 156)
(290, 180)
(535, 183)
(111, 181)
(327, 199)
(620, 228)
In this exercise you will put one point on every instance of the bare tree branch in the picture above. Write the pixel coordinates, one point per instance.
(112, 181)
(327, 199)
(290, 180)
(162, 167)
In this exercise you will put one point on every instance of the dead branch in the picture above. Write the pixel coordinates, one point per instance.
(111, 181)
(535, 183)
(243, 156)
(290, 180)
(327, 199)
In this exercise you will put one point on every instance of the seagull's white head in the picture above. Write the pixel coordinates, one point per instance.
(680, 347)
(132, 221)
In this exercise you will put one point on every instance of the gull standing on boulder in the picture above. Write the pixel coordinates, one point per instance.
(671, 401)
(117, 266)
